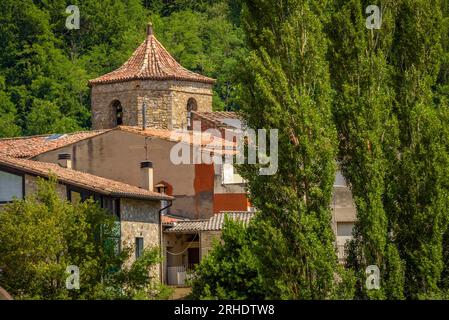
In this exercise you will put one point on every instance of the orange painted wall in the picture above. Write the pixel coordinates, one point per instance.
(230, 202)
(204, 178)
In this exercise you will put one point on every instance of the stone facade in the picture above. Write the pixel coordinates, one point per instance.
(140, 219)
(207, 240)
(166, 102)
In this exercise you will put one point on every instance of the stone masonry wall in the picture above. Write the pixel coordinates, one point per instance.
(166, 101)
(207, 240)
(140, 219)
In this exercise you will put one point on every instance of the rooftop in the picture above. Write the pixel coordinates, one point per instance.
(151, 61)
(31, 146)
(81, 179)
(215, 223)
(177, 136)
(28, 147)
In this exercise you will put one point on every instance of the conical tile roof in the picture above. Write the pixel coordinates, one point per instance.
(151, 61)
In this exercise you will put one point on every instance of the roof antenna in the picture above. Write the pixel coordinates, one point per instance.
(149, 29)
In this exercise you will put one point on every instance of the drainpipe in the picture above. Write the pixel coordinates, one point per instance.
(144, 115)
(161, 265)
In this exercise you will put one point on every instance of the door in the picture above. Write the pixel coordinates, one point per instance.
(193, 256)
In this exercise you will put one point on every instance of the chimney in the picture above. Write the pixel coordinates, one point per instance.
(146, 175)
(65, 160)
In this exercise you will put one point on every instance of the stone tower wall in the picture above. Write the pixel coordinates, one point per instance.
(166, 101)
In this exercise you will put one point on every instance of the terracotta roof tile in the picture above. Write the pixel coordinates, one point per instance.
(221, 119)
(28, 147)
(177, 136)
(170, 219)
(151, 61)
(218, 116)
(81, 179)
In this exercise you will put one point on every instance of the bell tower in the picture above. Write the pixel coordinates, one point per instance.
(151, 76)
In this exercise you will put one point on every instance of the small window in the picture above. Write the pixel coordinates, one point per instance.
(191, 106)
(344, 229)
(139, 247)
(230, 176)
(75, 197)
(118, 112)
(11, 186)
(111, 205)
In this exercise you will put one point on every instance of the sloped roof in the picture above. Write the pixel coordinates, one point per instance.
(217, 116)
(221, 119)
(178, 136)
(31, 146)
(215, 223)
(169, 219)
(28, 147)
(153, 62)
(81, 179)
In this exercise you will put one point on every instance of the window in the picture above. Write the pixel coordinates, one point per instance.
(112, 205)
(11, 186)
(230, 176)
(75, 197)
(191, 106)
(344, 229)
(139, 247)
(78, 195)
(118, 111)
(162, 189)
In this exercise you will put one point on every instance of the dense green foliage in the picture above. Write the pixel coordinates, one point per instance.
(392, 115)
(44, 67)
(377, 101)
(286, 86)
(230, 270)
(42, 235)
(362, 78)
(419, 199)
(390, 108)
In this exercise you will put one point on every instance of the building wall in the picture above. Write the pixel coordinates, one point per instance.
(228, 197)
(166, 101)
(207, 240)
(140, 219)
(117, 155)
(177, 244)
(230, 202)
(31, 187)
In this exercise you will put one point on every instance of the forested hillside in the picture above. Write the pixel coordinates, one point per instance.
(45, 67)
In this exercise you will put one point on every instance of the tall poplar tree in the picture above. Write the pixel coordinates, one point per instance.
(286, 86)
(420, 192)
(368, 133)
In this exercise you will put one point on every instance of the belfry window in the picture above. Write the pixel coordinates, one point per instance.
(118, 111)
(191, 106)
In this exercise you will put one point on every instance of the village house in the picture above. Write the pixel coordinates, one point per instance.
(140, 112)
(137, 210)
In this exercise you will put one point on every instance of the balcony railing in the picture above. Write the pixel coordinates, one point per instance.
(178, 275)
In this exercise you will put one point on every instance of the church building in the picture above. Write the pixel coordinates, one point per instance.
(149, 90)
